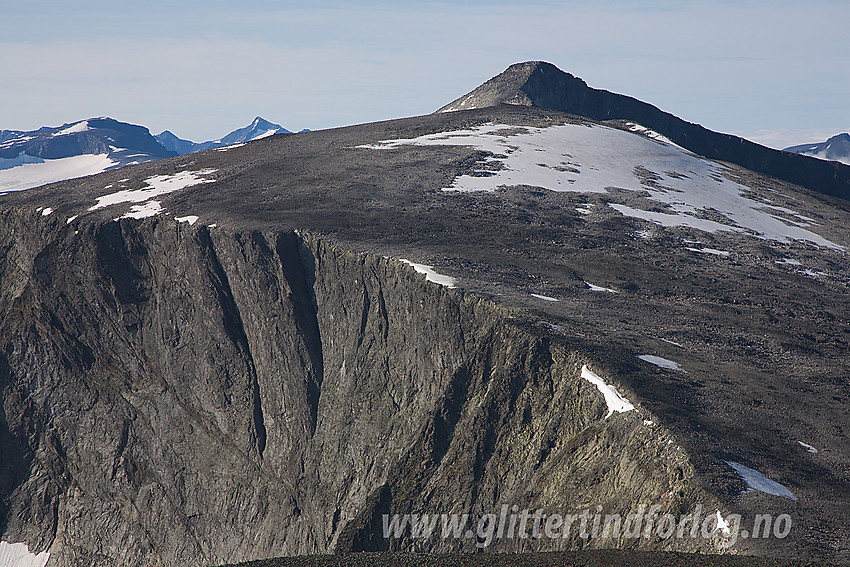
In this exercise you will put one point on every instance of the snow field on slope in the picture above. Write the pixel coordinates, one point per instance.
(29, 175)
(156, 186)
(73, 129)
(590, 159)
(19, 555)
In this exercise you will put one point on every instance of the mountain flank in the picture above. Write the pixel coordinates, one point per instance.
(541, 84)
(258, 351)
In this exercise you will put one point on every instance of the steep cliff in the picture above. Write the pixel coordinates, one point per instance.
(199, 396)
(247, 373)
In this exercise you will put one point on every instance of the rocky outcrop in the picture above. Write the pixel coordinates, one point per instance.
(179, 395)
(540, 84)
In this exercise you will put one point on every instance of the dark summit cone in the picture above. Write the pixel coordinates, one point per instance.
(533, 83)
(540, 84)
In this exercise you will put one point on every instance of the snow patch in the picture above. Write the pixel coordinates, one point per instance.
(46, 212)
(709, 251)
(666, 219)
(591, 159)
(191, 219)
(600, 288)
(143, 211)
(808, 447)
(19, 555)
(431, 275)
(722, 525)
(788, 261)
(70, 220)
(73, 129)
(634, 127)
(230, 147)
(674, 343)
(616, 402)
(157, 185)
(757, 481)
(544, 297)
(661, 362)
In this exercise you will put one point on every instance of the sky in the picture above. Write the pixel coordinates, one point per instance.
(776, 72)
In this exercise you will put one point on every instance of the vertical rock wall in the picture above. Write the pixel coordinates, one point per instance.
(179, 395)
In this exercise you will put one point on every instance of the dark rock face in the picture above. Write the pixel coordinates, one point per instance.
(198, 396)
(543, 85)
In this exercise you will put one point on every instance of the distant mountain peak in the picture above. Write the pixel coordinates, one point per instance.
(836, 148)
(258, 128)
(260, 122)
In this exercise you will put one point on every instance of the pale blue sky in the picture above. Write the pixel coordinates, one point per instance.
(774, 71)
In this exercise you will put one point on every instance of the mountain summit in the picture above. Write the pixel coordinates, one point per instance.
(533, 83)
(258, 128)
(543, 85)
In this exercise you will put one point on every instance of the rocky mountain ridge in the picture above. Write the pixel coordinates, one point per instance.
(259, 128)
(87, 147)
(227, 356)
